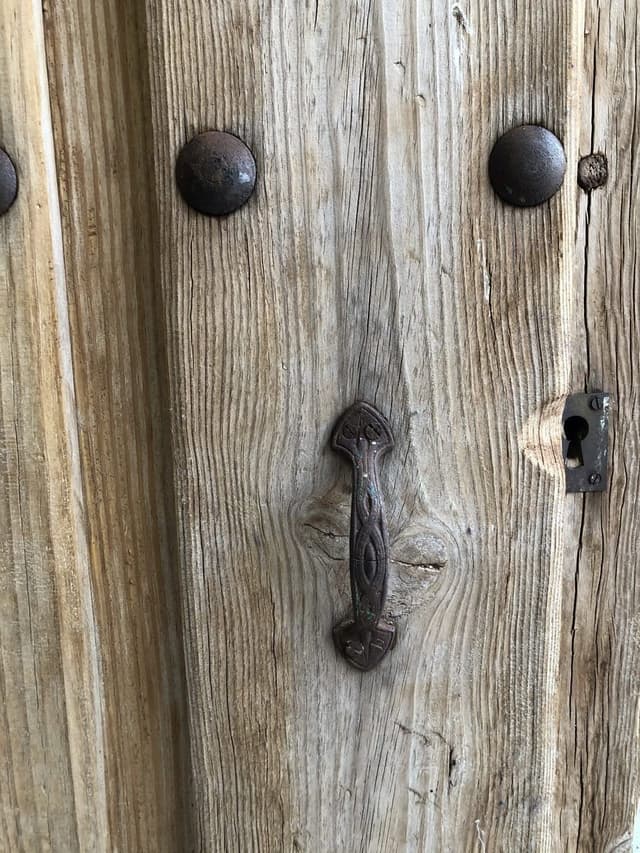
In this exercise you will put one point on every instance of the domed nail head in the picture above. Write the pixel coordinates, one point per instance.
(216, 173)
(8, 182)
(527, 165)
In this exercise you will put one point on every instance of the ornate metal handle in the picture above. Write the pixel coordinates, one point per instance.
(364, 436)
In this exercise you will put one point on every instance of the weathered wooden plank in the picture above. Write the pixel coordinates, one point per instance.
(374, 262)
(599, 756)
(97, 60)
(52, 794)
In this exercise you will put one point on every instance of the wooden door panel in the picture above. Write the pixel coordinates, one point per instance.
(175, 526)
(98, 82)
(51, 791)
(598, 789)
(373, 263)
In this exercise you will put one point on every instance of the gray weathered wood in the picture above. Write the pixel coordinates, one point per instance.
(374, 262)
(599, 784)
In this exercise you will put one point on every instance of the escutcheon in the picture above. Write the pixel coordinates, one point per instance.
(363, 435)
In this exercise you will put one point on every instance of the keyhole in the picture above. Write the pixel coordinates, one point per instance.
(576, 430)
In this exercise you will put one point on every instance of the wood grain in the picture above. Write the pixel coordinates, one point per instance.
(52, 794)
(98, 70)
(374, 262)
(600, 787)
(91, 677)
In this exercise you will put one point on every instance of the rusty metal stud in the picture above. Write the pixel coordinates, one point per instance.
(216, 173)
(8, 182)
(593, 171)
(527, 165)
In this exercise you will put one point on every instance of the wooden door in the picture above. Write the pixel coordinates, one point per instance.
(174, 523)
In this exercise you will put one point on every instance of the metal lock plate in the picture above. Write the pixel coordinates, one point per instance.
(585, 441)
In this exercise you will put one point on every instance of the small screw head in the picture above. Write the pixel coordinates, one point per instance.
(216, 173)
(527, 165)
(8, 182)
(594, 478)
(596, 403)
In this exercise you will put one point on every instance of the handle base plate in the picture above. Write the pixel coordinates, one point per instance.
(364, 648)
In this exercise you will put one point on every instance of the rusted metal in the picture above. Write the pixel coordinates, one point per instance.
(585, 443)
(216, 173)
(527, 165)
(593, 171)
(363, 435)
(8, 182)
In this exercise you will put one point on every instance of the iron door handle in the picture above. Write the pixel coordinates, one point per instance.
(364, 436)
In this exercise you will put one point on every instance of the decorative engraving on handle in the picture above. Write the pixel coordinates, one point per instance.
(364, 436)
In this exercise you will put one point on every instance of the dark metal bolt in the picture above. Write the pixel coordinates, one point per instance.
(596, 403)
(527, 165)
(216, 173)
(594, 479)
(8, 182)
